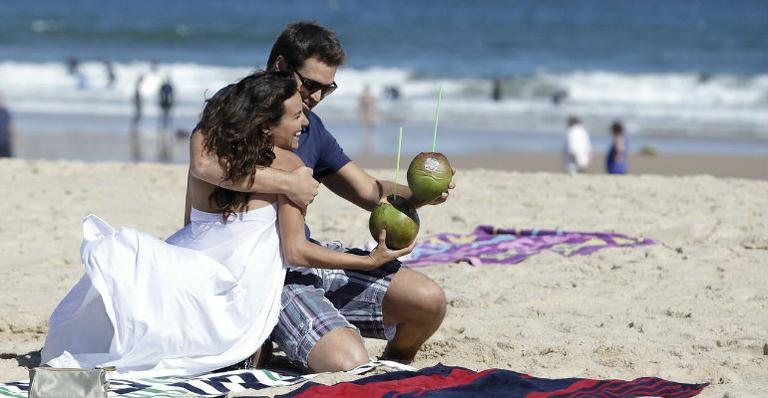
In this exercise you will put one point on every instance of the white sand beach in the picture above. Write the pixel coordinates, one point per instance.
(692, 308)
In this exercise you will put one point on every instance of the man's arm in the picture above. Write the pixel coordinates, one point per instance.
(298, 251)
(298, 185)
(357, 186)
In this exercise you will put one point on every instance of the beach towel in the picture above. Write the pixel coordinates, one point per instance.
(435, 381)
(209, 385)
(491, 245)
(456, 382)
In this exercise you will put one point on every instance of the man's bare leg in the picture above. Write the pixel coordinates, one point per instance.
(416, 304)
(340, 349)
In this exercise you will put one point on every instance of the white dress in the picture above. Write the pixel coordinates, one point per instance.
(207, 298)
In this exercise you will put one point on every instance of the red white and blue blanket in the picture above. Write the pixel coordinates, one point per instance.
(456, 382)
(491, 245)
(435, 381)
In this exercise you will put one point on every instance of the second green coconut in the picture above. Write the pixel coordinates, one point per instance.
(429, 175)
(399, 218)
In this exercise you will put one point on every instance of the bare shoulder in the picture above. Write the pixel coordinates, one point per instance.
(286, 160)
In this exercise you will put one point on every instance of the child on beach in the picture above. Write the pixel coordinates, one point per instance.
(209, 297)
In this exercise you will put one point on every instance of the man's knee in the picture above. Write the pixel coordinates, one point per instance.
(341, 349)
(349, 357)
(415, 299)
(432, 299)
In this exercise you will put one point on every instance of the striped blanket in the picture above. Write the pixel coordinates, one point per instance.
(210, 385)
(491, 245)
(435, 381)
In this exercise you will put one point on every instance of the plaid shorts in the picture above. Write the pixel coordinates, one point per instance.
(316, 301)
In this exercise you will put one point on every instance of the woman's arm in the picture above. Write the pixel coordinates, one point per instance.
(298, 251)
(296, 183)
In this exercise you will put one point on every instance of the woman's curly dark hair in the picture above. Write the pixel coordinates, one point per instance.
(235, 124)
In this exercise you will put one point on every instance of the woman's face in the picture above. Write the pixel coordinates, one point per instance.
(286, 132)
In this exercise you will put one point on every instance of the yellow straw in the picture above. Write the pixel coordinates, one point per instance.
(397, 167)
(437, 117)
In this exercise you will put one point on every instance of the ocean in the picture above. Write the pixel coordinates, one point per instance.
(684, 76)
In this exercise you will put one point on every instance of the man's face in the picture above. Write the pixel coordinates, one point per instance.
(315, 74)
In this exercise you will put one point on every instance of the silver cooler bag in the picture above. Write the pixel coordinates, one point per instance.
(45, 382)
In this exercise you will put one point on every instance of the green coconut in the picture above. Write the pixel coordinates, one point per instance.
(399, 218)
(429, 175)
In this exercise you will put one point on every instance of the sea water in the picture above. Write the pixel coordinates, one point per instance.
(688, 76)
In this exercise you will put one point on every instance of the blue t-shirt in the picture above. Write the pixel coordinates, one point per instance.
(319, 150)
(616, 166)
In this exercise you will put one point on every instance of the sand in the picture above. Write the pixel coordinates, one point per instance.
(693, 308)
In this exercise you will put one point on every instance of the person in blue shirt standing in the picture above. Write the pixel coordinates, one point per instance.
(616, 160)
(326, 311)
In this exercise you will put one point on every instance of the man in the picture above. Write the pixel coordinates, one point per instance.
(320, 307)
(577, 152)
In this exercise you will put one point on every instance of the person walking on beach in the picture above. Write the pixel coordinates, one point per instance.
(367, 109)
(165, 101)
(7, 132)
(616, 159)
(138, 104)
(577, 150)
(326, 311)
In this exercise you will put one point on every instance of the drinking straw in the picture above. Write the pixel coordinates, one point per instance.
(397, 167)
(437, 117)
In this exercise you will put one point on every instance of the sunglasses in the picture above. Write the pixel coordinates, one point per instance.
(311, 86)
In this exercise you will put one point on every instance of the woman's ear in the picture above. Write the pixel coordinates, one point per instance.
(280, 64)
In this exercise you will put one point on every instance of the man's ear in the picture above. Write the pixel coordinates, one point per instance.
(280, 63)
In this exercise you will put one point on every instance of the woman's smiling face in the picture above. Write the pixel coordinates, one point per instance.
(286, 132)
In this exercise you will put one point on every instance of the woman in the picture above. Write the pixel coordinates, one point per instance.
(210, 296)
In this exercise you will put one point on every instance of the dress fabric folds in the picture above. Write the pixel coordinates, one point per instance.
(206, 298)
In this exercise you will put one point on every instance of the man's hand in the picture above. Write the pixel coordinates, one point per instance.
(304, 187)
(382, 254)
(444, 196)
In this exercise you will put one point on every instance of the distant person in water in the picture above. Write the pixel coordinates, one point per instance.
(392, 92)
(577, 151)
(616, 160)
(496, 91)
(109, 71)
(7, 132)
(73, 65)
(559, 96)
(367, 109)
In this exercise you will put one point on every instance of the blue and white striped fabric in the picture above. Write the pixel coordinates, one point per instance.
(209, 385)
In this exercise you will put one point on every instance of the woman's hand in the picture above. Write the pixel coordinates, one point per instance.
(381, 254)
